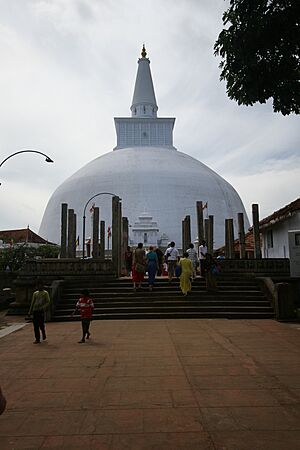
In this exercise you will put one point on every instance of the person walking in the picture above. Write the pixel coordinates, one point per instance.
(171, 257)
(86, 307)
(39, 304)
(186, 273)
(128, 261)
(210, 273)
(152, 267)
(192, 255)
(202, 255)
(138, 266)
(160, 257)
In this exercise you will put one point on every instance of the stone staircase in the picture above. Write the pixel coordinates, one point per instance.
(238, 297)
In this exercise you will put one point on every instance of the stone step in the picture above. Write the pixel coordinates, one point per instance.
(177, 315)
(176, 300)
(133, 295)
(163, 289)
(237, 296)
(146, 307)
(94, 282)
(167, 294)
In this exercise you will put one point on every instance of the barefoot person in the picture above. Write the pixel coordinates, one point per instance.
(186, 274)
(210, 273)
(39, 304)
(138, 267)
(193, 257)
(202, 256)
(152, 267)
(86, 306)
(171, 257)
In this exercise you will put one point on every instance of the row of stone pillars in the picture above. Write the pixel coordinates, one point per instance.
(205, 229)
(119, 234)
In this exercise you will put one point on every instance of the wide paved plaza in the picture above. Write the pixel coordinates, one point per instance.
(153, 384)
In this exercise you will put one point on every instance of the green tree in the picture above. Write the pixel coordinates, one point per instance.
(260, 51)
(15, 257)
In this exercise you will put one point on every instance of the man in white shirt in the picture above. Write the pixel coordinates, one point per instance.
(193, 257)
(202, 255)
(171, 258)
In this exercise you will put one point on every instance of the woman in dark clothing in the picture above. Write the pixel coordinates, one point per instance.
(210, 276)
(152, 267)
(128, 260)
(160, 257)
(138, 267)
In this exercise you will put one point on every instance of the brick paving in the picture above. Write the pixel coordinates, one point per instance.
(153, 384)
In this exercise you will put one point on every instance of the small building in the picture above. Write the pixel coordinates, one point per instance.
(274, 230)
(23, 236)
(145, 230)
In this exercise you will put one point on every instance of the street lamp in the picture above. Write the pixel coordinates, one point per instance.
(84, 217)
(48, 159)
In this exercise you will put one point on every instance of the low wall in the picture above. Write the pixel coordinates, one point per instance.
(66, 267)
(266, 266)
(51, 270)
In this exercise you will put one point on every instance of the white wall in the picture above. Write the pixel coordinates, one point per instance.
(280, 237)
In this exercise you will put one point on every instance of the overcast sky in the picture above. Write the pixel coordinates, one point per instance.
(68, 67)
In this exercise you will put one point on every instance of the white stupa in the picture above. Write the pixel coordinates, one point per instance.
(148, 173)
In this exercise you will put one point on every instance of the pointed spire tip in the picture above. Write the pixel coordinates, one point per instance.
(144, 53)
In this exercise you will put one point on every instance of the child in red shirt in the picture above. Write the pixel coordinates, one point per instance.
(86, 306)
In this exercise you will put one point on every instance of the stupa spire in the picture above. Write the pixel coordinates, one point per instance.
(144, 53)
(144, 101)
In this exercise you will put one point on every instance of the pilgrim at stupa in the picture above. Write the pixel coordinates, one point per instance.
(149, 174)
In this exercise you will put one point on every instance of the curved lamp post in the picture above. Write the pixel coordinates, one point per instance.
(48, 159)
(84, 217)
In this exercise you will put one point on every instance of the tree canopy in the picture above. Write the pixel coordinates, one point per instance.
(260, 51)
(15, 257)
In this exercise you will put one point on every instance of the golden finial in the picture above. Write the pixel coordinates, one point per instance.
(144, 53)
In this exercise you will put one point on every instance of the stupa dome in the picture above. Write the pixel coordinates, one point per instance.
(148, 174)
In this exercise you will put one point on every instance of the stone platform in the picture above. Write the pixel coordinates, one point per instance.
(157, 384)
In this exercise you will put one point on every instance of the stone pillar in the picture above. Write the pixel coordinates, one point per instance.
(226, 240)
(241, 231)
(256, 235)
(74, 234)
(71, 233)
(63, 230)
(102, 240)
(229, 239)
(187, 232)
(206, 230)
(199, 207)
(183, 235)
(124, 243)
(95, 250)
(115, 234)
(210, 239)
(120, 246)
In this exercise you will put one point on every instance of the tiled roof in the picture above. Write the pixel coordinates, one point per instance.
(281, 214)
(23, 235)
(249, 241)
